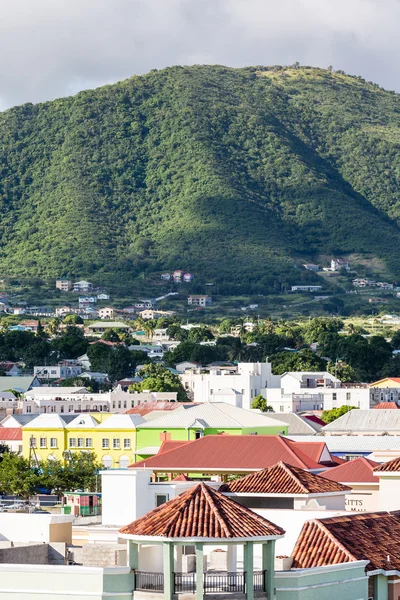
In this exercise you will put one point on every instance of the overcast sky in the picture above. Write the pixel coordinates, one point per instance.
(52, 48)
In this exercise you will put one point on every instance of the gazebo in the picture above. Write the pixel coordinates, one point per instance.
(201, 517)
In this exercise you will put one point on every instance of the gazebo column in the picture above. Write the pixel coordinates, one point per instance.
(268, 565)
(231, 558)
(168, 561)
(178, 558)
(248, 552)
(199, 571)
(133, 558)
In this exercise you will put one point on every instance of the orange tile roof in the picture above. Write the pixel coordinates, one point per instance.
(282, 479)
(359, 470)
(202, 512)
(182, 477)
(391, 465)
(356, 536)
(386, 406)
(235, 453)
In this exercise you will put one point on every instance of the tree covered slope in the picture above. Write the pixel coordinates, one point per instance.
(228, 173)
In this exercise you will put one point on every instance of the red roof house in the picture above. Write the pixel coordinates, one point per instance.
(239, 454)
(359, 470)
(386, 406)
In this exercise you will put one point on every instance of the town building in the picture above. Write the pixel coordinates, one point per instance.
(65, 285)
(103, 296)
(306, 288)
(82, 286)
(358, 474)
(307, 391)
(200, 300)
(106, 313)
(339, 263)
(177, 276)
(188, 277)
(365, 423)
(113, 439)
(60, 371)
(204, 419)
(100, 327)
(242, 382)
(312, 267)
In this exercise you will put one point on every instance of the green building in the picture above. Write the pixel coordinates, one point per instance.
(209, 418)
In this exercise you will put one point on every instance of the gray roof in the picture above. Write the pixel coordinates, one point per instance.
(356, 420)
(298, 425)
(68, 418)
(353, 443)
(213, 414)
(21, 384)
(22, 419)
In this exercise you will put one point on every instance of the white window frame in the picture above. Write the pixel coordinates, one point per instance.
(105, 443)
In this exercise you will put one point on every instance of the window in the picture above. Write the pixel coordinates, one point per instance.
(161, 499)
(127, 443)
(89, 443)
(43, 442)
(61, 409)
(105, 443)
(125, 404)
(348, 396)
(107, 461)
(334, 396)
(53, 442)
(119, 404)
(132, 403)
(72, 442)
(116, 443)
(33, 442)
(211, 392)
(198, 434)
(281, 408)
(81, 442)
(29, 409)
(124, 462)
(53, 372)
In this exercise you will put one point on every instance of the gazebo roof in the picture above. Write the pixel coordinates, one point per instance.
(283, 479)
(202, 512)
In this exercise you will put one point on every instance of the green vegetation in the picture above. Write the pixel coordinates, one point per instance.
(260, 403)
(18, 476)
(331, 415)
(236, 175)
(157, 378)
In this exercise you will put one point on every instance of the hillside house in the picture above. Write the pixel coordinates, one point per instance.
(65, 285)
(312, 267)
(200, 300)
(188, 278)
(82, 286)
(103, 296)
(166, 277)
(177, 276)
(339, 263)
(106, 313)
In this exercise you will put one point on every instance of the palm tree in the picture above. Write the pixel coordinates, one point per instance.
(237, 350)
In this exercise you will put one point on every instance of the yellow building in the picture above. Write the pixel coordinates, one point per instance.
(388, 382)
(113, 440)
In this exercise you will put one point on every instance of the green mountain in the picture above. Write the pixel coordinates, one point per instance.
(232, 174)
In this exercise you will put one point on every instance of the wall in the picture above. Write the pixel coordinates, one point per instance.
(363, 498)
(21, 527)
(389, 491)
(32, 554)
(46, 582)
(345, 581)
(104, 555)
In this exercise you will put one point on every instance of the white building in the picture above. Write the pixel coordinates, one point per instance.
(106, 313)
(82, 286)
(303, 391)
(306, 288)
(57, 372)
(247, 381)
(199, 300)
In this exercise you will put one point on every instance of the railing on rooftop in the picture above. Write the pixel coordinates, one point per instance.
(213, 582)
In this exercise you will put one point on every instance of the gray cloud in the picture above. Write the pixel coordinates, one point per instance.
(51, 48)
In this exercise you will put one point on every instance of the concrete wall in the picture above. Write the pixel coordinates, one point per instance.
(389, 491)
(32, 554)
(345, 581)
(44, 582)
(104, 555)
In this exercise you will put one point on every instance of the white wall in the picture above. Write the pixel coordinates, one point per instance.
(47, 582)
(389, 491)
(22, 527)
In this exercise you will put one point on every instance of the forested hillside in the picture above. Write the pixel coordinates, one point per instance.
(231, 174)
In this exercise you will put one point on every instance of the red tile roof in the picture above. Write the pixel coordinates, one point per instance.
(148, 407)
(235, 453)
(359, 470)
(391, 465)
(386, 406)
(10, 433)
(282, 479)
(356, 536)
(202, 512)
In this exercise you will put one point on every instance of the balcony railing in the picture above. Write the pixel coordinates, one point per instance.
(213, 582)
